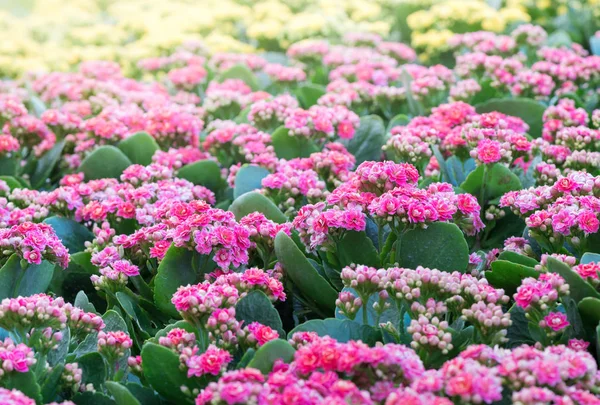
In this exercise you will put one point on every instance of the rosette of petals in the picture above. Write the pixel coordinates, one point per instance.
(213, 361)
(34, 243)
(16, 358)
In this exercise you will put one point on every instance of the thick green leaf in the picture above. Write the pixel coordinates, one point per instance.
(240, 72)
(518, 332)
(8, 165)
(308, 94)
(595, 45)
(390, 314)
(579, 288)
(11, 182)
(46, 164)
(15, 281)
(267, 354)
(204, 173)
(528, 110)
(174, 271)
(179, 324)
(138, 315)
(341, 330)
(256, 307)
(51, 383)
(589, 307)
(508, 275)
(24, 382)
(113, 322)
(145, 395)
(60, 353)
(457, 170)
(368, 139)
(313, 287)
(139, 148)
(72, 234)
(518, 258)
(356, 247)
(82, 301)
(255, 202)
(289, 147)
(92, 398)
(104, 162)
(499, 181)
(398, 120)
(249, 178)
(162, 371)
(93, 369)
(121, 394)
(440, 246)
(589, 257)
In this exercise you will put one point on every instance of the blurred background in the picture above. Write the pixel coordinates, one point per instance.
(58, 34)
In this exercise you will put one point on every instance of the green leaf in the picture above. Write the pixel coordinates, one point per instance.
(508, 275)
(390, 314)
(589, 307)
(72, 234)
(15, 281)
(113, 322)
(267, 354)
(313, 287)
(528, 110)
(12, 182)
(341, 330)
(518, 258)
(92, 398)
(256, 307)
(24, 382)
(82, 301)
(174, 271)
(398, 120)
(145, 395)
(104, 162)
(57, 355)
(289, 147)
(51, 383)
(579, 288)
(93, 369)
(308, 94)
(162, 371)
(440, 246)
(249, 178)
(46, 164)
(179, 324)
(500, 180)
(368, 140)
(457, 170)
(595, 45)
(135, 312)
(139, 148)
(121, 394)
(357, 247)
(204, 173)
(589, 257)
(255, 202)
(242, 73)
(8, 165)
(558, 39)
(518, 332)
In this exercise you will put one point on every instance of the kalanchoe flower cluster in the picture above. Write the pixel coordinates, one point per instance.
(322, 123)
(34, 243)
(18, 358)
(566, 211)
(212, 305)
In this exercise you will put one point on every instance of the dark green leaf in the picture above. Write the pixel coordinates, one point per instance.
(589, 307)
(518, 332)
(249, 178)
(290, 147)
(24, 382)
(93, 398)
(368, 140)
(356, 247)
(267, 354)
(51, 383)
(139, 148)
(121, 394)
(113, 322)
(313, 287)
(174, 271)
(508, 275)
(104, 162)
(589, 257)
(255, 202)
(440, 246)
(204, 173)
(308, 94)
(145, 395)
(256, 307)
(518, 258)
(72, 234)
(93, 369)
(341, 330)
(500, 180)
(46, 164)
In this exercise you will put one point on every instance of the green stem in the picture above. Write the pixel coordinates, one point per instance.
(482, 191)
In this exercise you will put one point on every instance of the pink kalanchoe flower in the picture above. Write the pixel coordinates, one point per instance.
(556, 321)
(261, 333)
(14, 397)
(212, 361)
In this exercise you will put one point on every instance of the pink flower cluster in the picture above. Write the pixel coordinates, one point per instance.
(15, 357)
(322, 123)
(34, 243)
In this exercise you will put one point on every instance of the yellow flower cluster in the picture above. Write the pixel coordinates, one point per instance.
(55, 34)
(432, 27)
